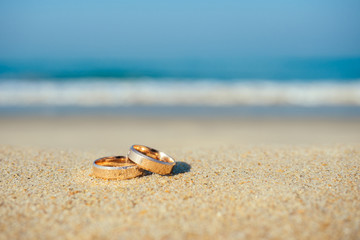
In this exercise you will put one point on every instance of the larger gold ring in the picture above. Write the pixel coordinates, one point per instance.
(151, 159)
(117, 167)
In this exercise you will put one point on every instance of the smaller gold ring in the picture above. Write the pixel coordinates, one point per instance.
(116, 167)
(151, 159)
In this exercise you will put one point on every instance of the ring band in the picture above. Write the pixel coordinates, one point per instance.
(151, 159)
(116, 167)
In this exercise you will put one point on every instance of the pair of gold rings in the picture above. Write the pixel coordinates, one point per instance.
(139, 159)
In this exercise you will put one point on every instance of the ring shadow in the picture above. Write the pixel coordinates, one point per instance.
(181, 167)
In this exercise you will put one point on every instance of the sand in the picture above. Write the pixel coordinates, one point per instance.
(235, 179)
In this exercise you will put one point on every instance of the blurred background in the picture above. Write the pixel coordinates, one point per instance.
(197, 66)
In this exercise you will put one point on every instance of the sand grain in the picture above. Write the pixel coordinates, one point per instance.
(234, 192)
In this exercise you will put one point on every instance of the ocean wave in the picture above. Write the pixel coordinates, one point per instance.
(175, 92)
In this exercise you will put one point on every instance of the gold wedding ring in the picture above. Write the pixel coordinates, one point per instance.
(117, 167)
(151, 159)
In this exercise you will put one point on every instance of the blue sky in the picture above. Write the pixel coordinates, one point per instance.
(178, 29)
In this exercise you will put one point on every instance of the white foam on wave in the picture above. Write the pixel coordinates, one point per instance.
(100, 92)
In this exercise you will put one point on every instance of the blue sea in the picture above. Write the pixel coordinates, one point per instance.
(243, 86)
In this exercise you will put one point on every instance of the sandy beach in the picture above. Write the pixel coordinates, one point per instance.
(258, 103)
(236, 178)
